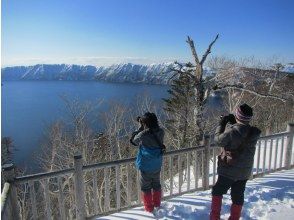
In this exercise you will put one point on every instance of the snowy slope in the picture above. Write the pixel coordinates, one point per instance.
(289, 68)
(124, 72)
(270, 197)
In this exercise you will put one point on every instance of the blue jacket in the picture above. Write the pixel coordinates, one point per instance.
(149, 157)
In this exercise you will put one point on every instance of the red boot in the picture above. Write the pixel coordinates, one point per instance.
(156, 198)
(216, 205)
(147, 201)
(235, 212)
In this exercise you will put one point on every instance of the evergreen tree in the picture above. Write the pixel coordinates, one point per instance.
(179, 109)
(6, 150)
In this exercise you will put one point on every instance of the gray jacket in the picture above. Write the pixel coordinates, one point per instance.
(231, 138)
(146, 138)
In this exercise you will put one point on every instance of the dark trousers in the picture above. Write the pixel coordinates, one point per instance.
(223, 184)
(150, 180)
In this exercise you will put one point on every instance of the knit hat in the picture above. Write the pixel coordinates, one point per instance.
(244, 113)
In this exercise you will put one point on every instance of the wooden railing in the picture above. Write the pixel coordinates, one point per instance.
(102, 188)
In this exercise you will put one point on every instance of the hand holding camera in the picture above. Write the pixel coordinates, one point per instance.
(227, 119)
(139, 119)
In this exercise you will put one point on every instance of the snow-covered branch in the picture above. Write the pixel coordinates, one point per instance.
(251, 92)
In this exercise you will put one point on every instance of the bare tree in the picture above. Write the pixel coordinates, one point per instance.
(199, 87)
(267, 89)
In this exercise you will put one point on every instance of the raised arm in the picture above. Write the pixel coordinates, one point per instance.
(135, 138)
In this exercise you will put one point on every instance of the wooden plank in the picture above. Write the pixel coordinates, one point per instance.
(128, 184)
(61, 199)
(206, 164)
(71, 211)
(188, 170)
(270, 155)
(79, 187)
(170, 175)
(276, 154)
(95, 192)
(258, 157)
(162, 175)
(117, 184)
(202, 170)
(47, 198)
(264, 156)
(138, 187)
(196, 170)
(214, 165)
(106, 189)
(289, 146)
(282, 152)
(180, 173)
(33, 199)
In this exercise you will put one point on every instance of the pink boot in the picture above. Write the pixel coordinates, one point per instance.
(216, 205)
(156, 198)
(235, 212)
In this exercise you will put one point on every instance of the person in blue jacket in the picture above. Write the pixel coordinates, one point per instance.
(149, 138)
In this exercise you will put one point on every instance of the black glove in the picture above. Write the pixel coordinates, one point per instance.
(132, 137)
(227, 118)
(224, 120)
(141, 128)
(232, 119)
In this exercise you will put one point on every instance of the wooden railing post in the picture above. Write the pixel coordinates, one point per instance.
(79, 187)
(206, 143)
(289, 145)
(9, 175)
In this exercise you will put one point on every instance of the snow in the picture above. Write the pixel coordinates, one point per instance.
(288, 68)
(270, 197)
(271, 156)
(123, 72)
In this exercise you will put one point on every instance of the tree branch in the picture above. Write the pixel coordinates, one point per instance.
(180, 70)
(191, 44)
(251, 92)
(208, 51)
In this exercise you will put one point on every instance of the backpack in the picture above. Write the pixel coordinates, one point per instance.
(229, 157)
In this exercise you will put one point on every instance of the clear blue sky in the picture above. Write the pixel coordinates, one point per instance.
(142, 31)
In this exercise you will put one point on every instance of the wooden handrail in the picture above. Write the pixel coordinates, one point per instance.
(40, 176)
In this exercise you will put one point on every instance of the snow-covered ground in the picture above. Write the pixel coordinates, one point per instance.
(270, 197)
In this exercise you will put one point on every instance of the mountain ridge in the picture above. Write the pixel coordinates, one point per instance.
(123, 73)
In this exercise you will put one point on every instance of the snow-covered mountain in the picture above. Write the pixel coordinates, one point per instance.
(288, 68)
(128, 72)
(123, 73)
(154, 74)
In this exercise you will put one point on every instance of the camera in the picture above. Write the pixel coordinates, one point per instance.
(139, 119)
(228, 118)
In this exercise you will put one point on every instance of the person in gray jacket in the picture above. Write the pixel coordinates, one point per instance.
(237, 137)
(149, 138)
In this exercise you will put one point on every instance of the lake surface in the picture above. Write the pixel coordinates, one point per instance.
(28, 107)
